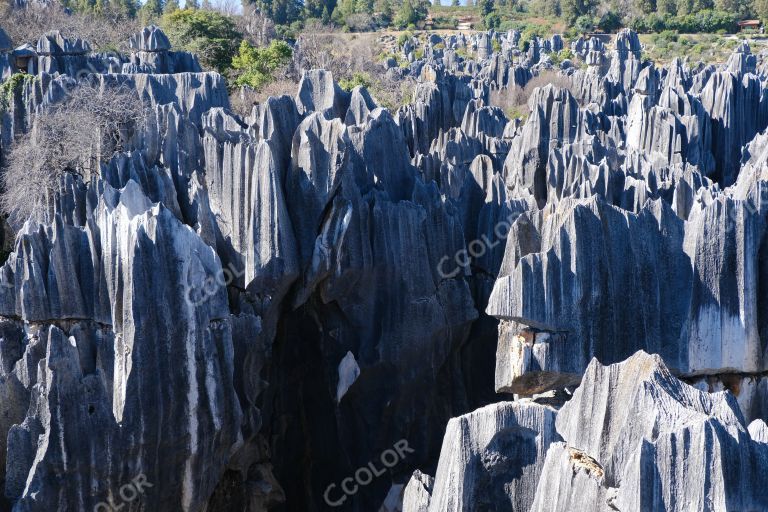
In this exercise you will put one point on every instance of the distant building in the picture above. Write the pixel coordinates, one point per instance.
(464, 23)
(749, 25)
(25, 59)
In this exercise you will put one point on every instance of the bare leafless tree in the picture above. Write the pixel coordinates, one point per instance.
(393, 92)
(74, 136)
(514, 100)
(228, 7)
(109, 30)
(322, 47)
(256, 27)
(347, 55)
(242, 100)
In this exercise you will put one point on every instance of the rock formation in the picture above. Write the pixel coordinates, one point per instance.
(329, 300)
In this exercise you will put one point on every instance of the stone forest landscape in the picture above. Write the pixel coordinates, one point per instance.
(383, 258)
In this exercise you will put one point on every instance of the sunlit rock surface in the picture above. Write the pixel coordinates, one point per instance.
(244, 312)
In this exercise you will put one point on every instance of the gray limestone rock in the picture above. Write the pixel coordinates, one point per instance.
(150, 39)
(361, 104)
(598, 236)
(319, 93)
(418, 492)
(104, 344)
(493, 458)
(244, 311)
(646, 441)
(555, 119)
(151, 54)
(737, 107)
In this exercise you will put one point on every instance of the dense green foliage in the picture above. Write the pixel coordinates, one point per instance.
(256, 66)
(707, 21)
(411, 12)
(579, 16)
(127, 7)
(210, 34)
(11, 87)
(358, 78)
(284, 12)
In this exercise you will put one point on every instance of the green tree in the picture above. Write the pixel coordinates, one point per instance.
(609, 22)
(282, 12)
(405, 14)
(256, 66)
(761, 9)
(313, 8)
(684, 7)
(153, 7)
(545, 7)
(384, 8)
(84, 5)
(572, 9)
(344, 9)
(101, 6)
(171, 5)
(411, 12)
(666, 7)
(128, 7)
(584, 23)
(209, 34)
(741, 7)
(492, 21)
(647, 6)
(364, 6)
(357, 78)
(486, 7)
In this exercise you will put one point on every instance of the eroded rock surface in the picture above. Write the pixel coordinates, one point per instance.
(243, 312)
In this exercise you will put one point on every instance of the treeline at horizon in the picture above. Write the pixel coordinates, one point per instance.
(572, 17)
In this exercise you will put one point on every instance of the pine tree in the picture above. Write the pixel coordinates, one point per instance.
(128, 7)
(666, 7)
(406, 14)
(572, 9)
(384, 7)
(364, 6)
(153, 7)
(313, 9)
(741, 7)
(347, 7)
(84, 5)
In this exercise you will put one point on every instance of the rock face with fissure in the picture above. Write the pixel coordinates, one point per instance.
(151, 53)
(636, 438)
(257, 313)
(491, 458)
